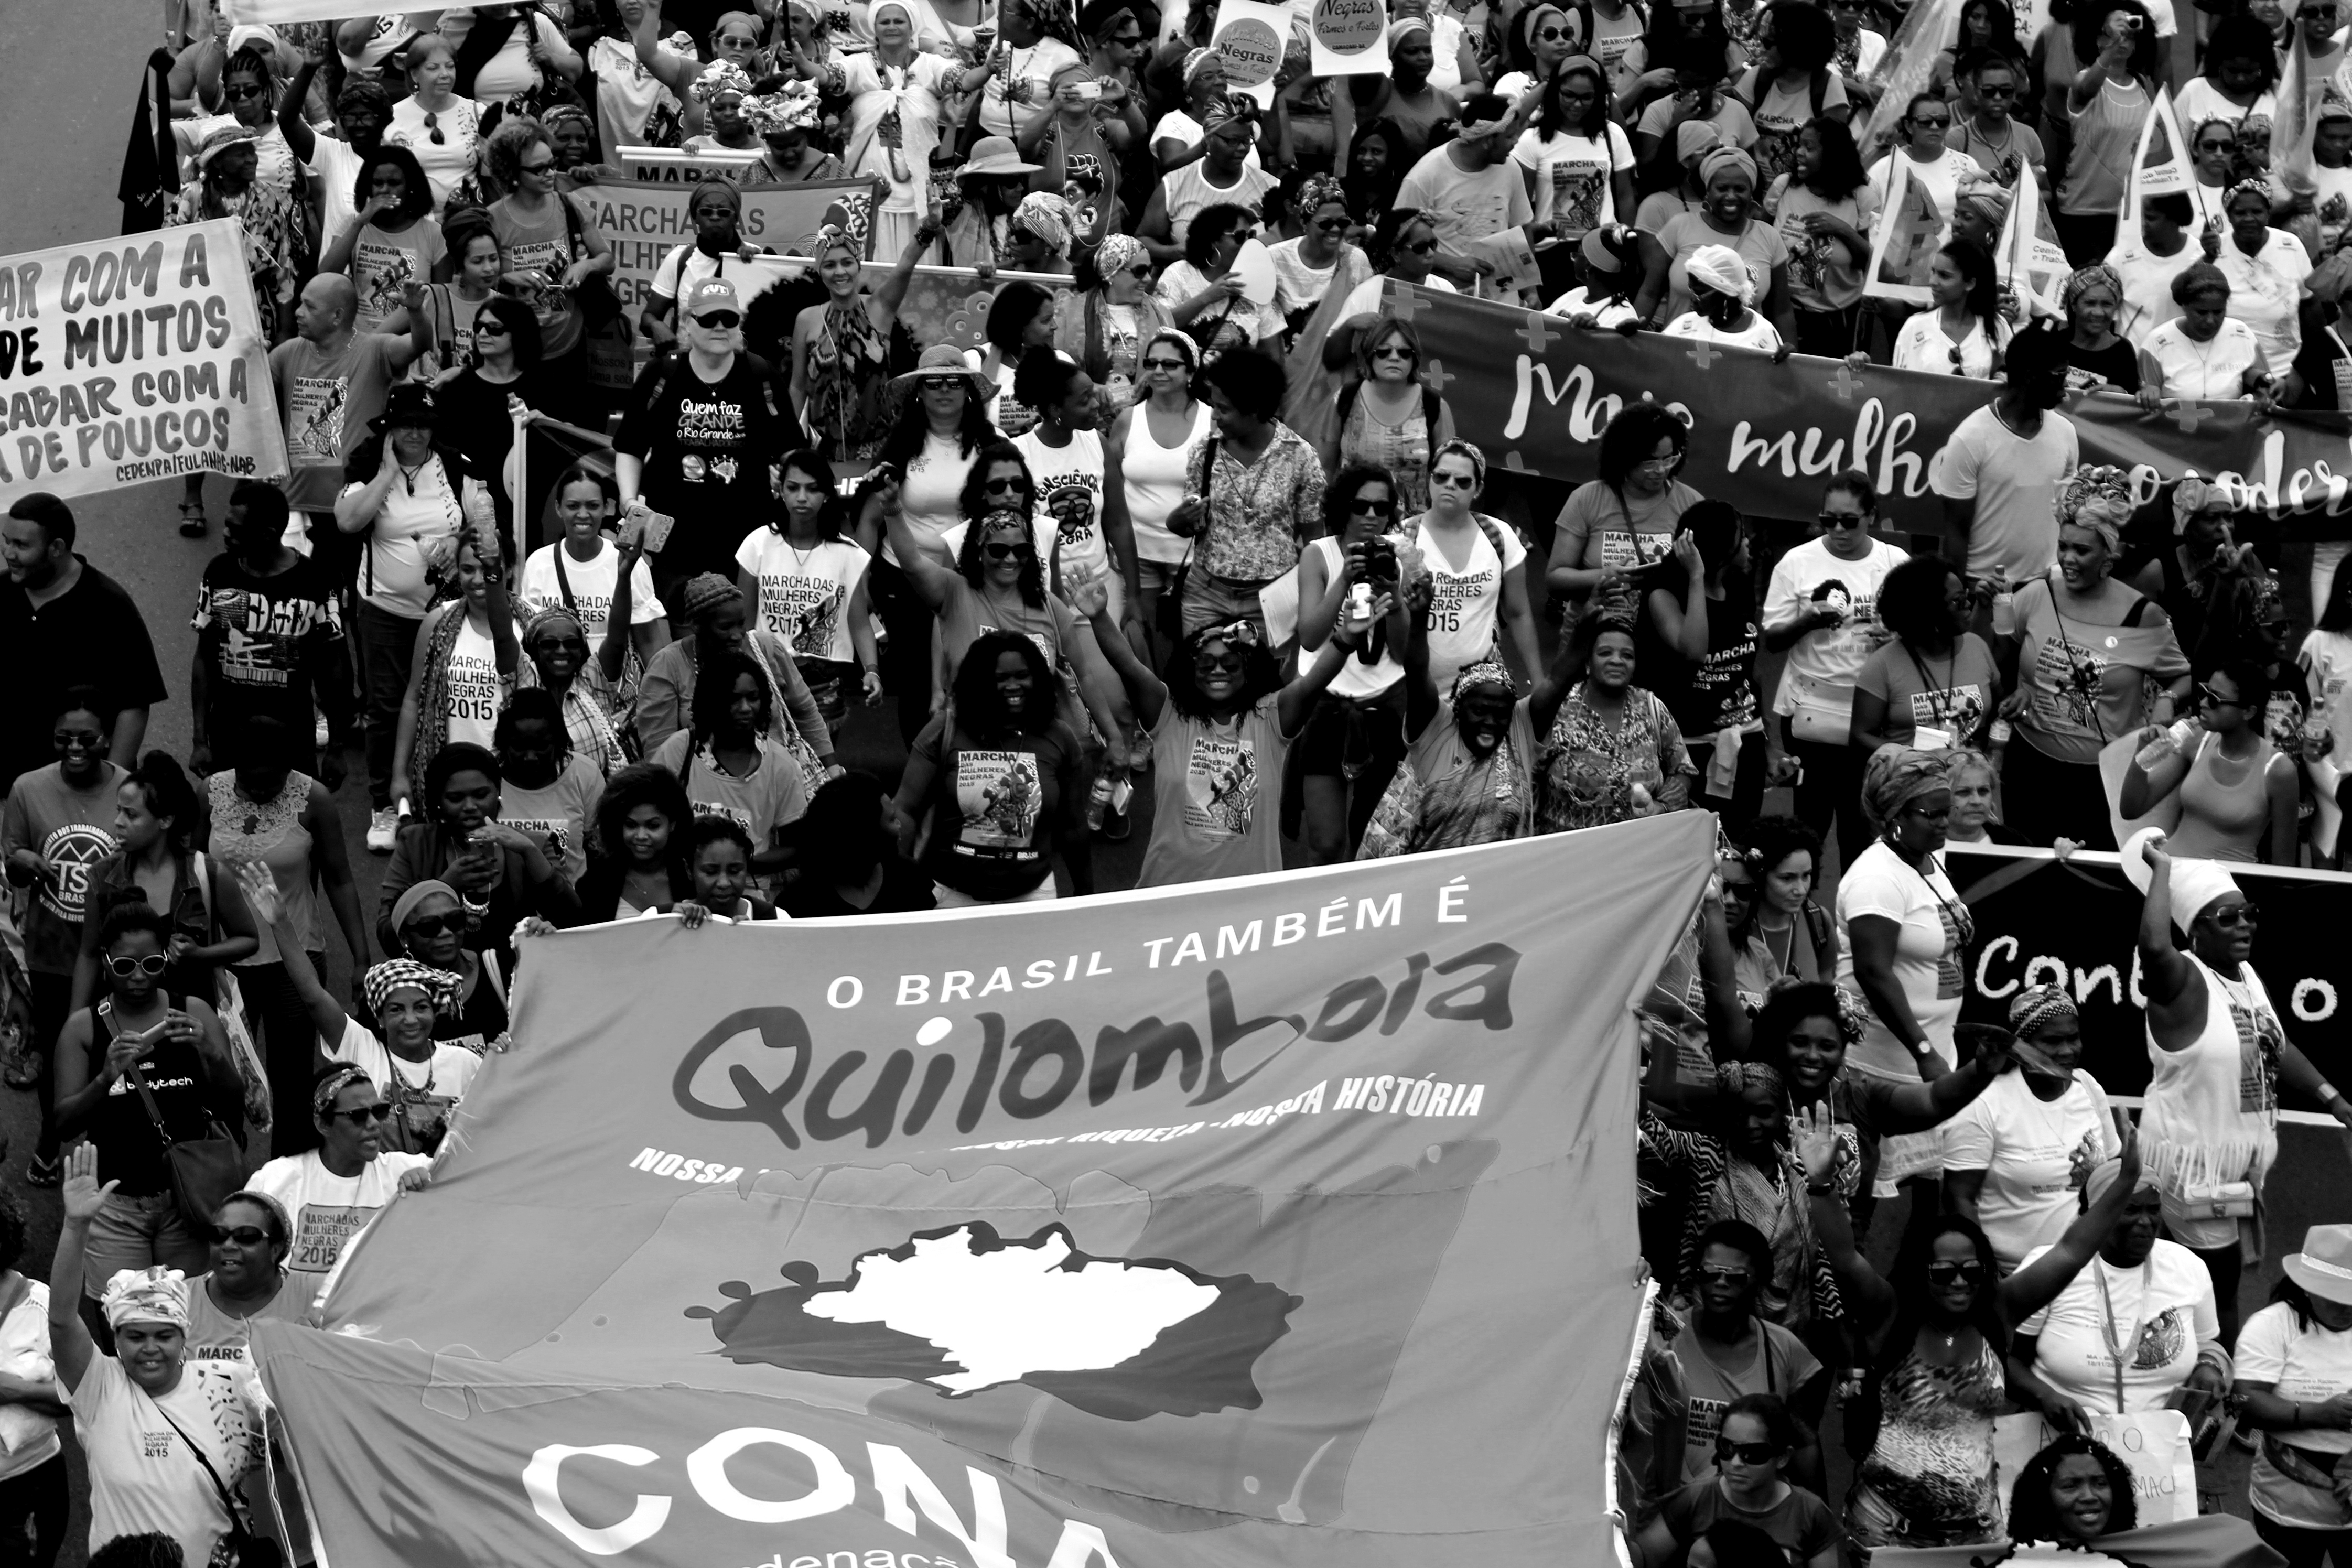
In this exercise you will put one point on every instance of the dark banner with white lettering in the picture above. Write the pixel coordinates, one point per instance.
(2076, 922)
(1534, 392)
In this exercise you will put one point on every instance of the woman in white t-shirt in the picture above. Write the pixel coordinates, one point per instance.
(1961, 333)
(2294, 1372)
(335, 1190)
(1577, 161)
(581, 571)
(1792, 84)
(392, 241)
(150, 1421)
(2016, 1158)
(1477, 570)
(1927, 161)
(509, 54)
(2139, 1291)
(462, 669)
(1079, 485)
(805, 582)
(34, 1491)
(1906, 930)
(1720, 292)
(1179, 137)
(2204, 352)
(440, 128)
(2268, 270)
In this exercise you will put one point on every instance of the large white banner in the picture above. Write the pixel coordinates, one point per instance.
(134, 359)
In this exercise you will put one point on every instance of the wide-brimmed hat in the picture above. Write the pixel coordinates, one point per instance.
(996, 155)
(409, 402)
(944, 359)
(220, 139)
(2324, 1267)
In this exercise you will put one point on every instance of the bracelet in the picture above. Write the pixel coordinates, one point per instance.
(2330, 1095)
(2297, 1419)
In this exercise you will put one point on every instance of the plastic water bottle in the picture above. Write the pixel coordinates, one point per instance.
(1098, 800)
(2177, 739)
(2004, 614)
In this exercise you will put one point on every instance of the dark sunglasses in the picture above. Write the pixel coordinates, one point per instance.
(1996, 92)
(1166, 365)
(2217, 147)
(1426, 247)
(2206, 695)
(718, 320)
(359, 1116)
(1844, 519)
(432, 926)
(151, 966)
(1125, 40)
(1140, 269)
(1363, 508)
(239, 94)
(1212, 664)
(942, 383)
(1333, 226)
(242, 1235)
(1002, 486)
(65, 740)
(565, 644)
(545, 166)
(1944, 1273)
(490, 326)
(433, 124)
(2243, 915)
(1004, 552)
(1746, 1453)
(1738, 890)
(1931, 121)
(1726, 1276)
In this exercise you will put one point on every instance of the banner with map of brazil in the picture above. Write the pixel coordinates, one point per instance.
(1283, 1222)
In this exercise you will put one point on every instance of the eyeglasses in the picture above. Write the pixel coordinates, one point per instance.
(1364, 506)
(1746, 1453)
(2244, 915)
(1660, 463)
(942, 383)
(1166, 365)
(1931, 121)
(718, 320)
(1426, 247)
(1221, 664)
(1140, 269)
(151, 966)
(239, 94)
(433, 124)
(1947, 1274)
(489, 326)
(67, 740)
(433, 925)
(1996, 91)
(359, 1116)
(2212, 698)
(1392, 352)
(1726, 1276)
(1004, 552)
(242, 1235)
(1455, 481)
(2217, 147)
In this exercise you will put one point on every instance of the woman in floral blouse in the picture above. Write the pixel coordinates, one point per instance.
(1615, 751)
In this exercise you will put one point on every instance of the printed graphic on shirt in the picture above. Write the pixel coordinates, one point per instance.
(1721, 681)
(71, 850)
(554, 839)
(1451, 597)
(735, 814)
(710, 422)
(320, 1233)
(1220, 787)
(550, 259)
(382, 273)
(1959, 710)
(2260, 1041)
(1071, 501)
(2070, 675)
(314, 420)
(803, 611)
(2160, 1341)
(1706, 1422)
(422, 1120)
(262, 635)
(473, 691)
(1000, 797)
(1580, 182)
(1947, 962)
(1622, 550)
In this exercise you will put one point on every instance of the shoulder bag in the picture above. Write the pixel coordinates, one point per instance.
(204, 1170)
(239, 1547)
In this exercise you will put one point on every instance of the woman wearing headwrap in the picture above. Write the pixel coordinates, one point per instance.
(334, 1191)
(1614, 752)
(1456, 62)
(718, 614)
(1306, 269)
(172, 1042)
(1224, 177)
(2133, 1329)
(718, 250)
(715, 101)
(2085, 650)
(896, 101)
(581, 680)
(2191, 576)
(2015, 1159)
(1980, 208)
(1078, 141)
(1106, 327)
(1728, 217)
(2220, 1057)
(1406, 98)
(1720, 295)
(1038, 238)
(1961, 332)
(116, 1398)
(786, 121)
(2204, 352)
(1907, 938)
(2268, 269)
(2102, 359)
(840, 385)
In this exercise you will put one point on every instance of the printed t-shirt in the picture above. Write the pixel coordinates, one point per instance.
(2161, 1310)
(2084, 682)
(1601, 526)
(773, 797)
(1777, 1363)
(2305, 1367)
(1824, 274)
(382, 264)
(1465, 605)
(992, 833)
(1217, 796)
(705, 447)
(1824, 662)
(327, 402)
(1758, 245)
(2035, 1156)
(144, 1479)
(1953, 696)
(45, 813)
(1800, 1522)
(328, 1210)
(805, 594)
(1926, 911)
(561, 816)
(423, 1094)
(268, 628)
(1573, 191)
(592, 583)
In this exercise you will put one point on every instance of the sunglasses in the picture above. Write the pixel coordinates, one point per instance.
(239, 94)
(432, 926)
(1931, 121)
(718, 320)
(361, 1116)
(1165, 365)
(2244, 915)
(1392, 351)
(491, 327)
(1945, 1273)
(1842, 519)
(1746, 1453)
(544, 165)
(1141, 269)
(152, 964)
(2212, 698)
(2217, 147)
(942, 383)
(1364, 508)
(242, 1235)
(1221, 664)
(1005, 487)
(433, 124)
(1550, 35)
(1738, 890)
(1726, 1276)
(1332, 225)
(1455, 481)
(1125, 40)
(68, 741)
(1004, 552)
(1996, 92)
(1426, 247)
(1955, 352)
(1019, 235)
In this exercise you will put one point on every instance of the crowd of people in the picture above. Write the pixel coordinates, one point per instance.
(594, 607)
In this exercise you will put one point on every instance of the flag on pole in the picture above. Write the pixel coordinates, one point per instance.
(1906, 67)
(2029, 257)
(151, 164)
(2298, 106)
(1903, 239)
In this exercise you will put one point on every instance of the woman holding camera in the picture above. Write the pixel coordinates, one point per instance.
(1355, 738)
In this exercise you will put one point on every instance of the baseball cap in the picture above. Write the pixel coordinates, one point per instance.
(712, 294)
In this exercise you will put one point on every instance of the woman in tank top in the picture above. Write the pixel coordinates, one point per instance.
(1154, 437)
(1076, 471)
(1355, 738)
(2237, 792)
(1388, 416)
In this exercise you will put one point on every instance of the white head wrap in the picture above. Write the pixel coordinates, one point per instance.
(1719, 268)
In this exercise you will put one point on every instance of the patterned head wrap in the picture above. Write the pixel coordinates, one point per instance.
(1988, 196)
(720, 77)
(1195, 60)
(704, 592)
(547, 619)
(830, 236)
(1723, 158)
(2098, 275)
(1893, 778)
(2099, 497)
(1487, 673)
(1719, 268)
(1229, 107)
(151, 1295)
(1004, 520)
(792, 106)
(1459, 447)
(335, 1083)
(2037, 1004)
(1118, 253)
(565, 114)
(2192, 496)
(2254, 187)
(439, 986)
(1045, 214)
(1314, 192)
(1738, 1077)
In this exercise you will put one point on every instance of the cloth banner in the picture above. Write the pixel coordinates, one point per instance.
(1537, 392)
(1281, 1222)
(272, 12)
(2212, 1541)
(1904, 240)
(134, 359)
(669, 166)
(2154, 1443)
(2074, 923)
(645, 222)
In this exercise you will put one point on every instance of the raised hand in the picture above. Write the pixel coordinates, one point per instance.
(83, 1194)
(260, 889)
(1816, 1135)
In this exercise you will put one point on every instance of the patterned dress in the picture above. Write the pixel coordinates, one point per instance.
(1928, 1481)
(1587, 770)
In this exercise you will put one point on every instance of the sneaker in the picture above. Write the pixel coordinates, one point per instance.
(384, 825)
(43, 1173)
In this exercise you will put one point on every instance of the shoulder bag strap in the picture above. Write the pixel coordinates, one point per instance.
(202, 871)
(146, 1095)
(236, 1514)
(564, 580)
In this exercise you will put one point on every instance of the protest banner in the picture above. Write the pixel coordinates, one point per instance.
(2154, 1444)
(645, 222)
(2216, 1540)
(1347, 37)
(128, 360)
(1766, 436)
(271, 12)
(1903, 239)
(2074, 923)
(669, 166)
(1287, 1221)
(2030, 257)
(1253, 37)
